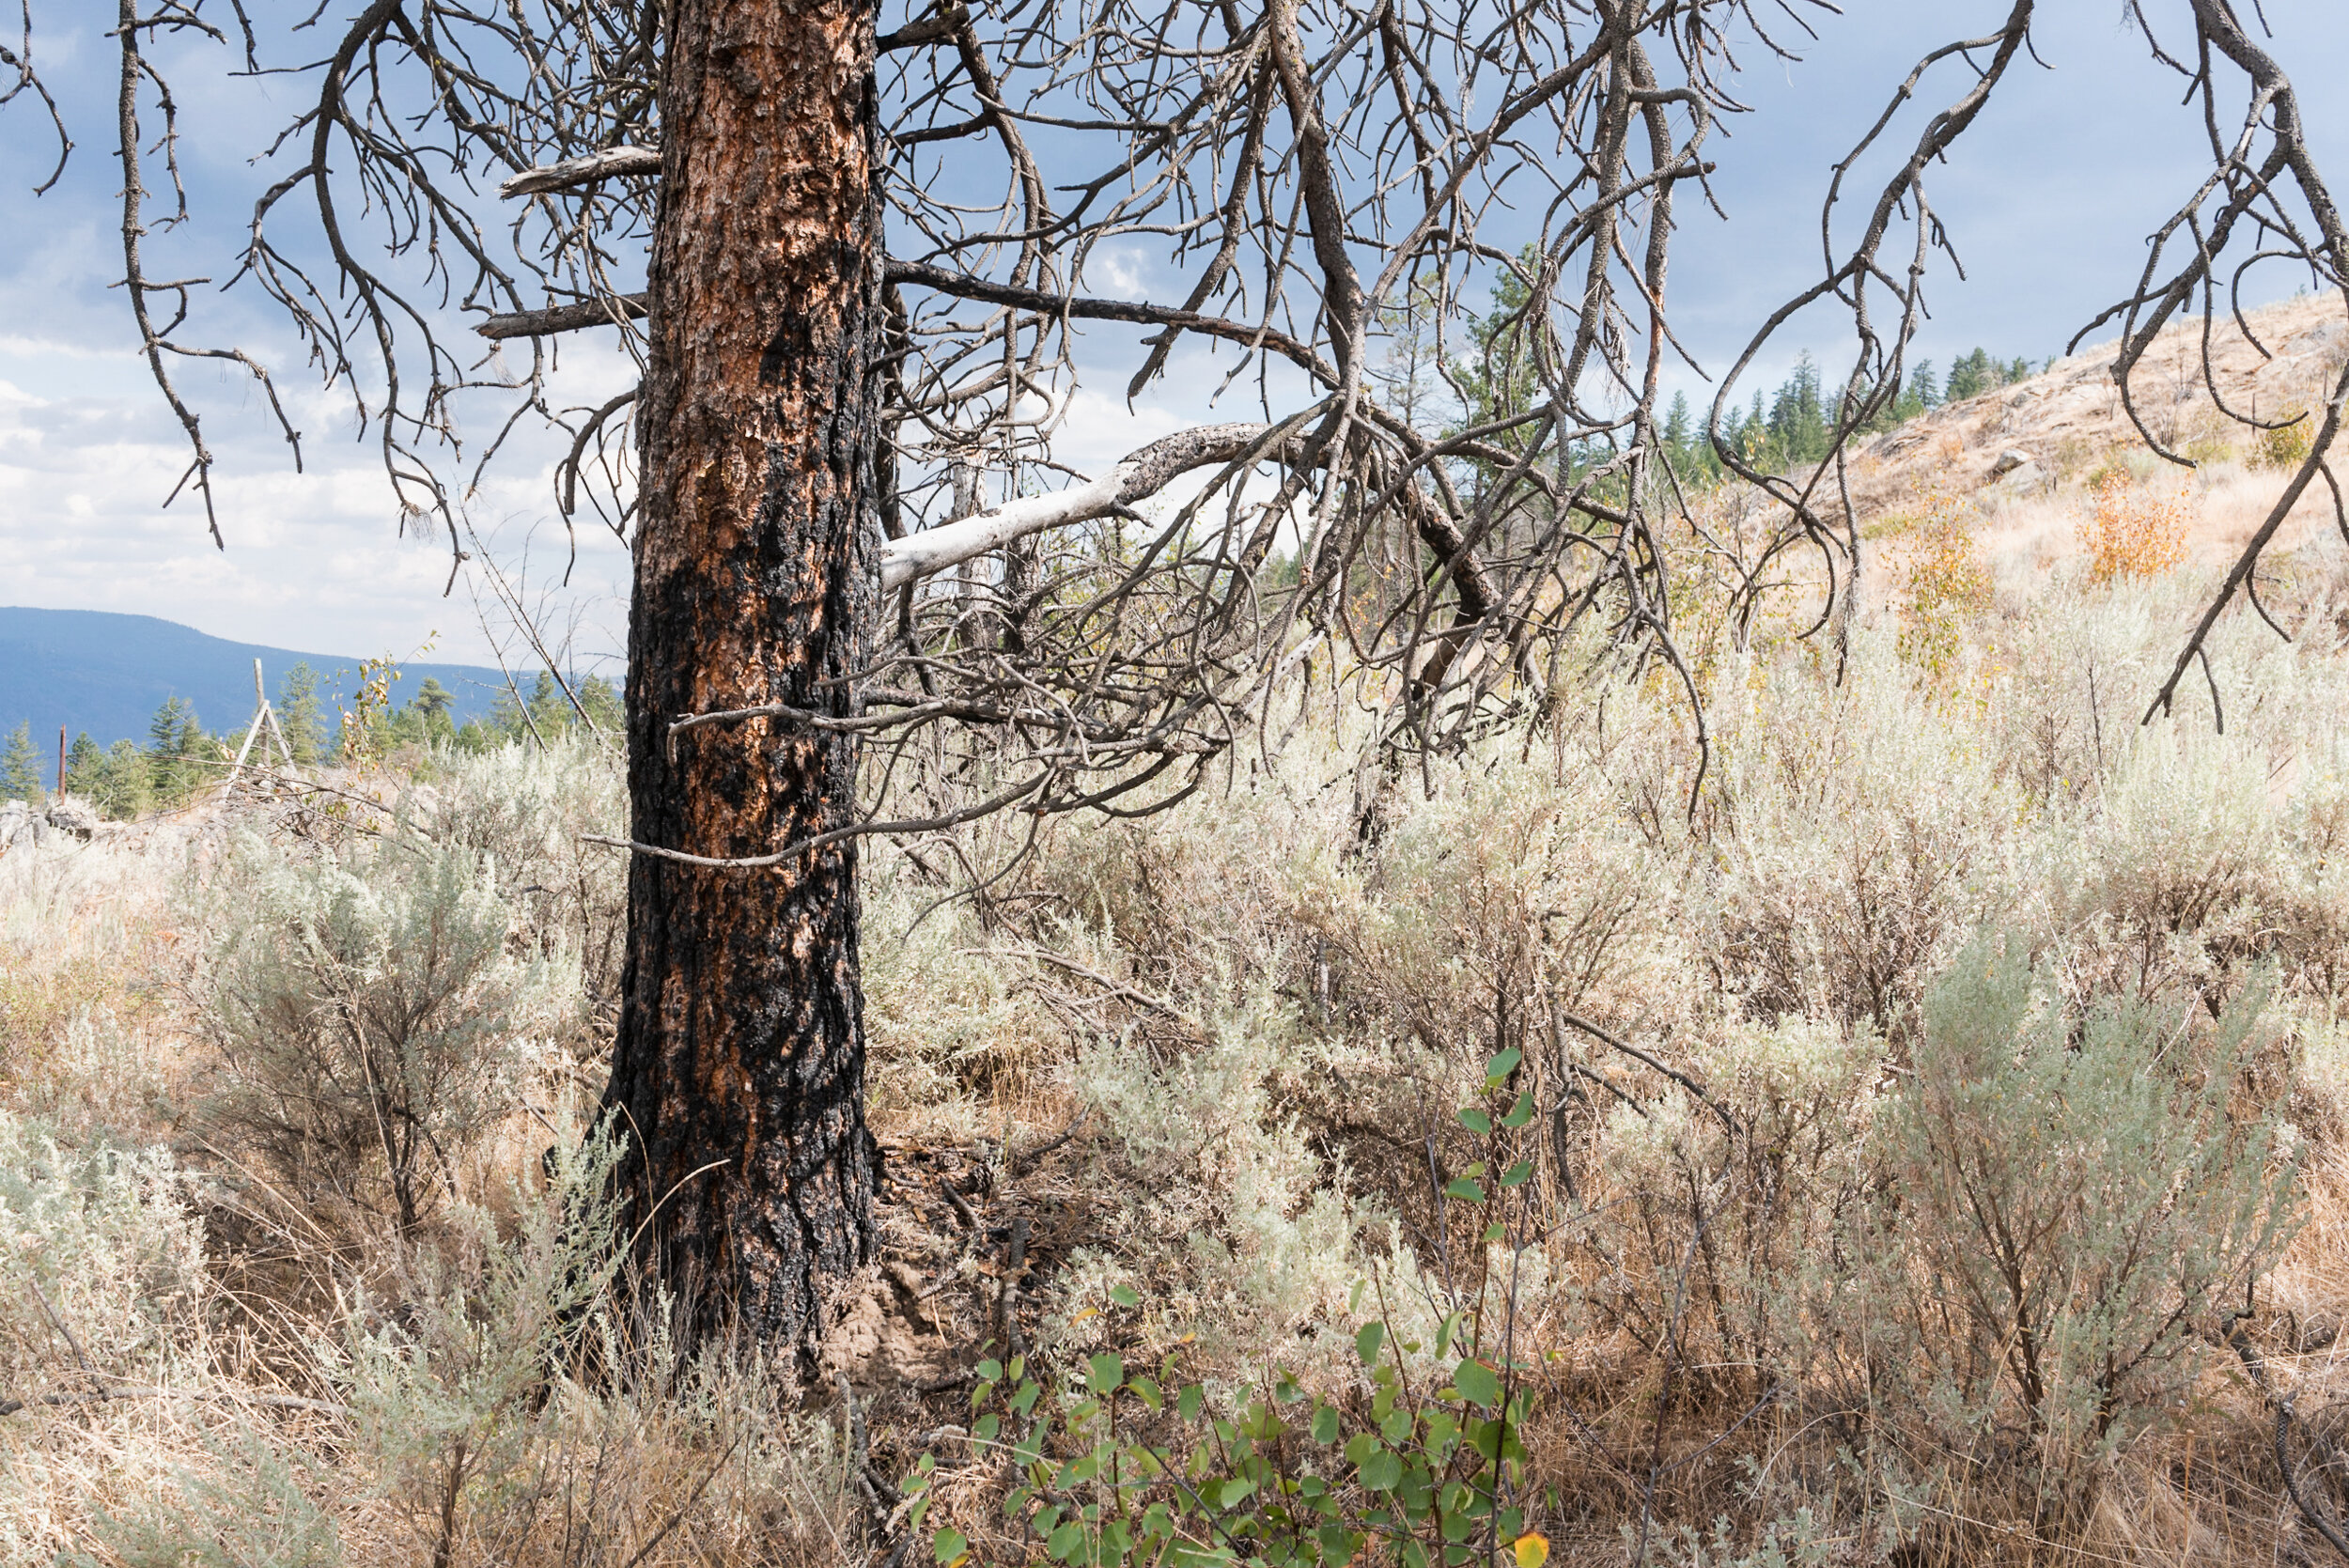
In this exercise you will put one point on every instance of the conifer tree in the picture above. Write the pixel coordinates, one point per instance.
(300, 715)
(191, 748)
(1799, 416)
(1692, 459)
(19, 768)
(1973, 375)
(125, 782)
(167, 748)
(1923, 386)
(603, 705)
(85, 767)
(506, 720)
(430, 711)
(550, 710)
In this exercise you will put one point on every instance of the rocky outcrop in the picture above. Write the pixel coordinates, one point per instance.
(76, 818)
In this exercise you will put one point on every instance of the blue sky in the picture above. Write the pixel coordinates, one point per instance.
(2048, 201)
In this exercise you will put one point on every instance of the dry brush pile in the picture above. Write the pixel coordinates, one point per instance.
(1929, 1148)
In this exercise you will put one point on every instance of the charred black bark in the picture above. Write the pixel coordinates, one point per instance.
(739, 1072)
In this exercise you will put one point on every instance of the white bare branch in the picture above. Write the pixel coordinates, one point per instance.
(612, 162)
(1134, 477)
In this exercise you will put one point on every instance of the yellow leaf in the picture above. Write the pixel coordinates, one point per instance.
(1532, 1549)
(1089, 1311)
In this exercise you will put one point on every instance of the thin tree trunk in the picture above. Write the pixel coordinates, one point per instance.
(739, 1066)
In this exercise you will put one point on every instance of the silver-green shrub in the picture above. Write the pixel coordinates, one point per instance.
(100, 1247)
(446, 1382)
(247, 1504)
(520, 810)
(365, 1006)
(2068, 1202)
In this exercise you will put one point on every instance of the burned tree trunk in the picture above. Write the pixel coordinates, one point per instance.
(739, 1067)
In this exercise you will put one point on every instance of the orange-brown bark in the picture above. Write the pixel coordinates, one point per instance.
(740, 1059)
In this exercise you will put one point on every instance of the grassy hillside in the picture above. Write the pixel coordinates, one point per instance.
(1931, 1146)
(2069, 425)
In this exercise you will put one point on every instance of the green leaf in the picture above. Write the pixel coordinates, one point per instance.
(950, 1545)
(1230, 1494)
(1125, 1296)
(990, 1371)
(1108, 1373)
(1466, 1191)
(1503, 1065)
(1520, 1112)
(1067, 1542)
(1186, 1403)
(1326, 1424)
(1360, 1447)
(1381, 1470)
(1147, 1390)
(1518, 1174)
(1367, 1339)
(1475, 1121)
(987, 1427)
(1024, 1401)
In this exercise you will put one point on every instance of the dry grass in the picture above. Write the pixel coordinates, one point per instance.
(1206, 1066)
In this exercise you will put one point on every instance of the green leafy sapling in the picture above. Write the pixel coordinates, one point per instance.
(1142, 1469)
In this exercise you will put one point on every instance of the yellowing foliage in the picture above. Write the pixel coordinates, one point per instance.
(2130, 531)
(1945, 581)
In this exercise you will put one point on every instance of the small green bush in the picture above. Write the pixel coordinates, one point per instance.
(1131, 1467)
(446, 1384)
(521, 809)
(2287, 445)
(248, 1505)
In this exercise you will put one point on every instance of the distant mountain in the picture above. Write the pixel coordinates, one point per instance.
(107, 673)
